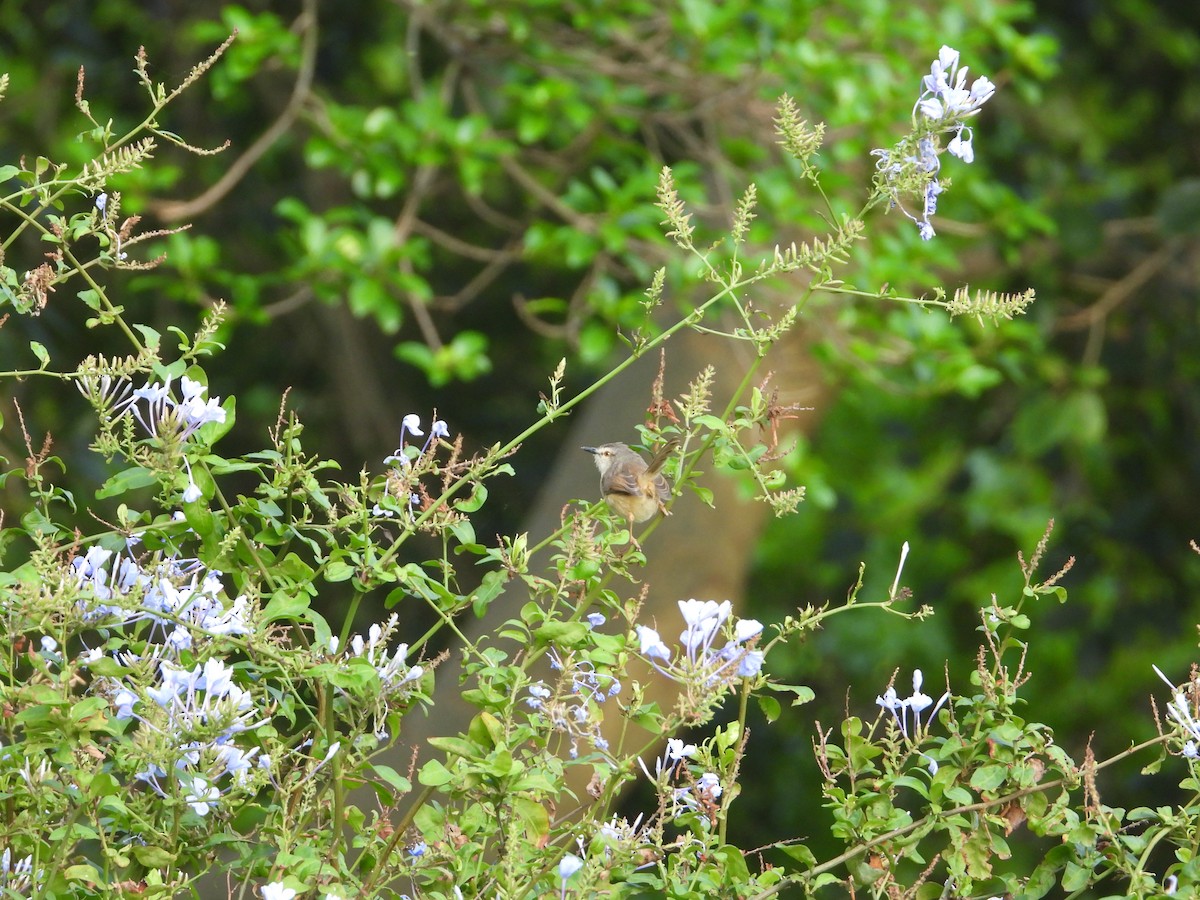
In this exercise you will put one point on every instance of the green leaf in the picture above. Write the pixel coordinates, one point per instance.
(801, 693)
(394, 778)
(454, 746)
(131, 479)
(487, 731)
(85, 873)
(358, 676)
(107, 667)
(770, 707)
(464, 532)
(285, 605)
(800, 853)
(713, 423)
(565, 634)
(488, 590)
(989, 778)
(1076, 877)
(152, 337)
(474, 502)
(153, 857)
(535, 817)
(40, 351)
(434, 774)
(338, 570)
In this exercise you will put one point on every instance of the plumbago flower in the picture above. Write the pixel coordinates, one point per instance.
(573, 708)
(406, 466)
(701, 666)
(943, 108)
(1182, 710)
(169, 423)
(915, 730)
(679, 785)
(178, 596)
(396, 680)
(192, 718)
(154, 406)
(16, 877)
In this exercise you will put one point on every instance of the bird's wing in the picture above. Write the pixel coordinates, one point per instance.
(625, 484)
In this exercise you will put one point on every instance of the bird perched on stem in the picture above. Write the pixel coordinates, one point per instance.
(632, 487)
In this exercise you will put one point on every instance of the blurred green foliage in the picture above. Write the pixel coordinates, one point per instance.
(472, 183)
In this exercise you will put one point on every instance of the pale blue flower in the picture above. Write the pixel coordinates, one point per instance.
(960, 146)
(201, 796)
(751, 664)
(710, 785)
(569, 865)
(411, 424)
(192, 492)
(703, 619)
(537, 693)
(652, 645)
(123, 700)
(918, 703)
(945, 93)
(677, 749)
(745, 629)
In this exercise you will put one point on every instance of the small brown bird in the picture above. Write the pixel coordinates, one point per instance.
(632, 487)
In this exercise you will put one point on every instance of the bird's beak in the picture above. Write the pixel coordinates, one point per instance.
(590, 449)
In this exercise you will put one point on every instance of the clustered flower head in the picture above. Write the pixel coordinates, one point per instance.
(400, 480)
(943, 108)
(573, 709)
(672, 769)
(700, 663)
(395, 674)
(154, 406)
(168, 421)
(1181, 710)
(916, 704)
(16, 877)
(192, 713)
(196, 713)
(178, 595)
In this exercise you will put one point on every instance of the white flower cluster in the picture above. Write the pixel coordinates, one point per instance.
(178, 595)
(16, 878)
(404, 457)
(669, 768)
(197, 711)
(700, 661)
(1181, 710)
(944, 105)
(575, 710)
(154, 406)
(394, 673)
(916, 704)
